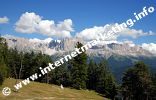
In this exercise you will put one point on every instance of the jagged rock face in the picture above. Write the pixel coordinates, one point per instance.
(126, 49)
(26, 45)
(66, 44)
(53, 47)
(107, 50)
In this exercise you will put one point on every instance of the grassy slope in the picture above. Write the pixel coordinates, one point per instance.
(40, 91)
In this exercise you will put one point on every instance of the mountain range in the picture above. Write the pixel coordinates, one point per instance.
(52, 47)
(120, 55)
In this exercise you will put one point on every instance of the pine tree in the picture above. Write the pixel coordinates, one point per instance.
(61, 75)
(1, 78)
(3, 57)
(137, 82)
(79, 69)
(105, 81)
(14, 63)
(153, 90)
(92, 79)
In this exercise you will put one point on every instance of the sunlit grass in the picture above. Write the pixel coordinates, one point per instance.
(41, 91)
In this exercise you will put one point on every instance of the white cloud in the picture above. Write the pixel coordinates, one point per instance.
(32, 23)
(130, 43)
(135, 33)
(4, 20)
(47, 40)
(28, 23)
(92, 33)
(150, 47)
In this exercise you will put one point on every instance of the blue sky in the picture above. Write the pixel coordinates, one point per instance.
(83, 13)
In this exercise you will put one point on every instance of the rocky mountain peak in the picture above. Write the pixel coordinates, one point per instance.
(51, 47)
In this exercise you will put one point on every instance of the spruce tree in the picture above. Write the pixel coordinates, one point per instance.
(1, 78)
(153, 91)
(79, 69)
(92, 71)
(137, 82)
(61, 75)
(3, 57)
(105, 81)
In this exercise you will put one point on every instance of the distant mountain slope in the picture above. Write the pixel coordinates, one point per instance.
(119, 64)
(52, 47)
(120, 55)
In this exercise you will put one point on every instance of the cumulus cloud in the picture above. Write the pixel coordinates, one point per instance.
(4, 20)
(93, 33)
(130, 43)
(47, 40)
(150, 47)
(33, 23)
(135, 33)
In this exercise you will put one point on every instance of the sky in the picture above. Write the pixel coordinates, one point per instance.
(69, 18)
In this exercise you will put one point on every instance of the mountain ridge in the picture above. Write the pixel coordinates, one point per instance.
(119, 55)
(51, 47)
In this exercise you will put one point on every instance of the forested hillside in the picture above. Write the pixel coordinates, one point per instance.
(137, 82)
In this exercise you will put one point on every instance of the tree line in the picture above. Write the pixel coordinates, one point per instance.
(79, 73)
